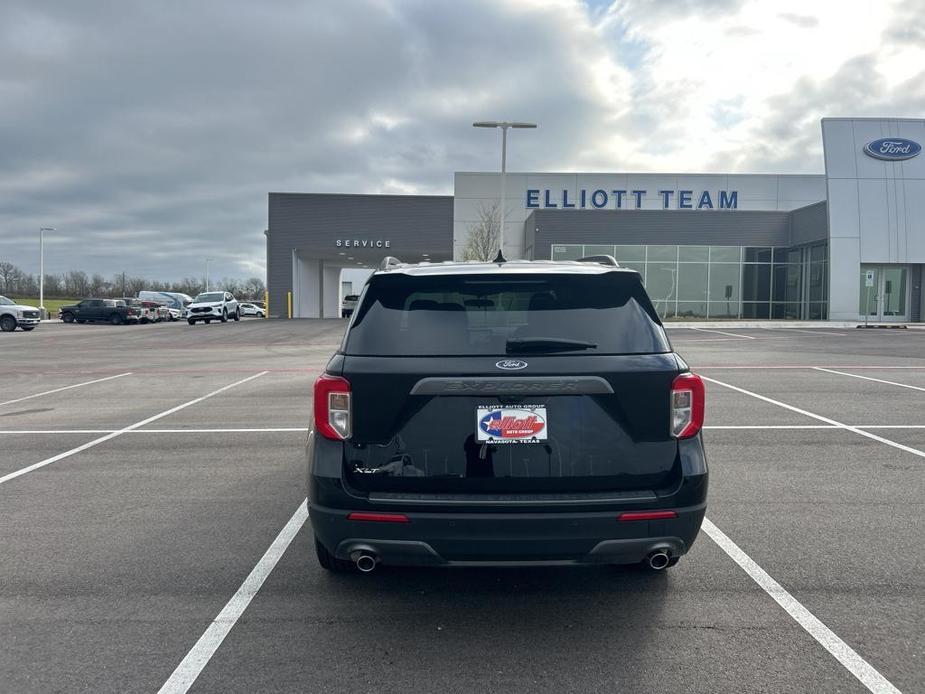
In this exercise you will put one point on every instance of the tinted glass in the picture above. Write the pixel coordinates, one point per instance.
(478, 314)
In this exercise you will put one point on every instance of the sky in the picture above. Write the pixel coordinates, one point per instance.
(149, 133)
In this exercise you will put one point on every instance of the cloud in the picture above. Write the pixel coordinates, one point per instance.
(150, 133)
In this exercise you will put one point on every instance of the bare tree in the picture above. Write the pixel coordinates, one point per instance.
(484, 235)
(10, 277)
(76, 283)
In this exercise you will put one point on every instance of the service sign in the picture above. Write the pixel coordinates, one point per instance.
(520, 424)
(892, 148)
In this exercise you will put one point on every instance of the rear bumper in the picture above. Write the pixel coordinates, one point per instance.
(477, 539)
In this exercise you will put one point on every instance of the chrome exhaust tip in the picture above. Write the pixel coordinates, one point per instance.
(658, 560)
(365, 562)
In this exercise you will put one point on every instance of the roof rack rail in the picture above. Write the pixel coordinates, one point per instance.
(389, 262)
(601, 259)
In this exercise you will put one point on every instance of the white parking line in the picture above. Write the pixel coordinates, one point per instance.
(118, 432)
(202, 651)
(819, 331)
(205, 647)
(720, 332)
(58, 390)
(856, 430)
(843, 653)
(869, 378)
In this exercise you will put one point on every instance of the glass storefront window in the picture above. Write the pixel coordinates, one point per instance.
(787, 311)
(788, 255)
(692, 309)
(661, 282)
(756, 309)
(724, 309)
(757, 255)
(725, 282)
(629, 254)
(725, 254)
(693, 254)
(756, 282)
(662, 253)
(787, 282)
(692, 281)
(731, 281)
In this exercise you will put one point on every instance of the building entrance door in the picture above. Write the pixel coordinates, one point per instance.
(884, 295)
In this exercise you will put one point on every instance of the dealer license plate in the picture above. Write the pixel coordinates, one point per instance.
(515, 424)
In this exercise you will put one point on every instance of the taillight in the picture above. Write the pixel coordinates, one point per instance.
(687, 405)
(332, 407)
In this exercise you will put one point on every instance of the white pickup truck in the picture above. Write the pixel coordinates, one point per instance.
(13, 315)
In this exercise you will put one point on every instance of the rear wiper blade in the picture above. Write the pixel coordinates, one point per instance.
(546, 344)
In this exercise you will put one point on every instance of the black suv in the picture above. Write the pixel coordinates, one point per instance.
(506, 413)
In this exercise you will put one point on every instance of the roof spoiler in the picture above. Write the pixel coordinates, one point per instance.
(389, 262)
(608, 260)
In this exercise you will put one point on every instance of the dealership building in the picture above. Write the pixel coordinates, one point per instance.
(838, 245)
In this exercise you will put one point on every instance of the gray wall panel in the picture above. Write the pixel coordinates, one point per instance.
(809, 224)
(312, 222)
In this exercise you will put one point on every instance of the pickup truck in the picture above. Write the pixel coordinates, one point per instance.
(92, 310)
(13, 315)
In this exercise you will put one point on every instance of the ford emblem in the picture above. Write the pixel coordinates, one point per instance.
(892, 148)
(511, 364)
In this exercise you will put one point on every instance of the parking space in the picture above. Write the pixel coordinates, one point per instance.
(118, 557)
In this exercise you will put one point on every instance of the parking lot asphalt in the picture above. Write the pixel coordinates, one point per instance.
(146, 472)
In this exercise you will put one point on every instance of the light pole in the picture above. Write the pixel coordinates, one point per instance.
(208, 260)
(42, 231)
(504, 125)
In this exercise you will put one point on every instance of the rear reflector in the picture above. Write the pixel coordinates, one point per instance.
(647, 515)
(379, 517)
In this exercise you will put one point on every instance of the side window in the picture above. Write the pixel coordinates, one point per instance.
(83, 304)
(96, 303)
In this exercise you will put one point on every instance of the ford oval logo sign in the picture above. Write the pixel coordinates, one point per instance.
(892, 148)
(511, 364)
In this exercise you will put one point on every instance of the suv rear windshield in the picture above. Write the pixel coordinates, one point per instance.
(607, 313)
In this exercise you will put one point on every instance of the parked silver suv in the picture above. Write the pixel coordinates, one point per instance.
(210, 306)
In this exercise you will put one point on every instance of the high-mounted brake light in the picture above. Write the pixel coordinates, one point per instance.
(687, 405)
(332, 407)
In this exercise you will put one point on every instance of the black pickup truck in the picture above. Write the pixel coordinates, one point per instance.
(108, 310)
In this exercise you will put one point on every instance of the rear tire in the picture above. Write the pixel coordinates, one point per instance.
(191, 321)
(68, 317)
(331, 563)
(115, 319)
(208, 320)
(7, 324)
